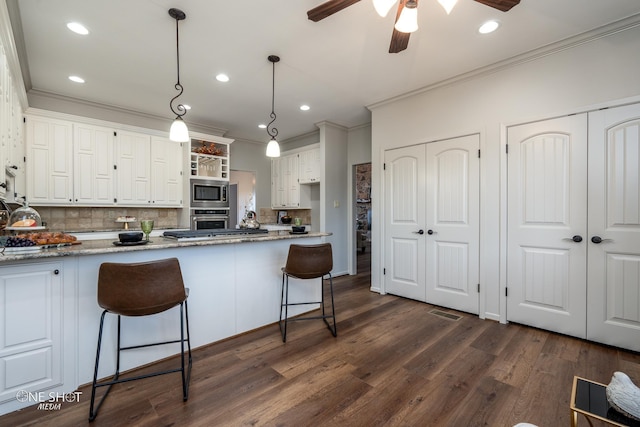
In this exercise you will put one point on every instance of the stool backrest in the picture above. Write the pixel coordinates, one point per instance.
(309, 261)
(140, 289)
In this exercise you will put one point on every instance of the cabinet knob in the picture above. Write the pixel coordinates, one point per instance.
(56, 271)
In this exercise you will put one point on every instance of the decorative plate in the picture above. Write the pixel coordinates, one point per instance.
(141, 242)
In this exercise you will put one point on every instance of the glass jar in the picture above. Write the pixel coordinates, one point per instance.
(25, 217)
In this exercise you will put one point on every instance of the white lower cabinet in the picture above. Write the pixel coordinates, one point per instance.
(37, 330)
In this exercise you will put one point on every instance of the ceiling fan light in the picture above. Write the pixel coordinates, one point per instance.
(448, 5)
(408, 21)
(273, 148)
(383, 7)
(179, 131)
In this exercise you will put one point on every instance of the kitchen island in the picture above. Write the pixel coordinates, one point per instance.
(48, 331)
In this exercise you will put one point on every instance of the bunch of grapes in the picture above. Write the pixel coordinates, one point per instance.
(19, 242)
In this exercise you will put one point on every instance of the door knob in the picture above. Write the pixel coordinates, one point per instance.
(598, 240)
(419, 232)
(430, 232)
(575, 238)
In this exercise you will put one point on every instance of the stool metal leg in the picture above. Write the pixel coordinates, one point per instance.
(284, 303)
(186, 376)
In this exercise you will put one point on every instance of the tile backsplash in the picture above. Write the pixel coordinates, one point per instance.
(270, 216)
(103, 219)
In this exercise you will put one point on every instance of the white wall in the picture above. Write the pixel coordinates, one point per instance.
(334, 192)
(592, 73)
(249, 156)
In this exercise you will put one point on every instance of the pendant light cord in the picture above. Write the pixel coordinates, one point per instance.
(274, 131)
(181, 110)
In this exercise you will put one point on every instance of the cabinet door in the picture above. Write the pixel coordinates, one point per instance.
(277, 184)
(292, 193)
(93, 160)
(31, 329)
(49, 161)
(166, 172)
(133, 170)
(310, 166)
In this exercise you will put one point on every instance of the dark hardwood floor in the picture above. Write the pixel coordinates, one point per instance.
(394, 363)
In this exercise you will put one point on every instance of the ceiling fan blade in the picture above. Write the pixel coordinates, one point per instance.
(328, 8)
(399, 41)
(503, 5)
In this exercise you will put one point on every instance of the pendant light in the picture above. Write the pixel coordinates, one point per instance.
(408, 20)
(179, 131)
(273, 149)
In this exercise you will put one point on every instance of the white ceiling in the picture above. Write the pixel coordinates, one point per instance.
(338, 66)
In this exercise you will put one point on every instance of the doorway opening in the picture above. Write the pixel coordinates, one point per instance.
(242, 197)
(362, 198)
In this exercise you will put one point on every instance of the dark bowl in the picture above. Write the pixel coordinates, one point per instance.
(298, 228)
(285, 220)
(130, 237)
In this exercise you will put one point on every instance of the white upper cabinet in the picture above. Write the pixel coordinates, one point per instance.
(93, 161)
(166, 172)
(50, 158)
(133, 171)
(309, 166)
(82, 164)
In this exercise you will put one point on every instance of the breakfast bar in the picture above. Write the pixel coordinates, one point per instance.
(51, 313)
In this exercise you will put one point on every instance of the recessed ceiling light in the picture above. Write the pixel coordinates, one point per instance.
(76, 79)
(78, 28)
(222, 78)
(489, 27)
(304, 107)
(262, 126)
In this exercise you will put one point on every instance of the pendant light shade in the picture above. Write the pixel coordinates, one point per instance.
(178, 131)
(408, 21)
(273, 148)
(448, 5)
(383, 6)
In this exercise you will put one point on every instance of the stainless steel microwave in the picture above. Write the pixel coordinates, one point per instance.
(206, 193)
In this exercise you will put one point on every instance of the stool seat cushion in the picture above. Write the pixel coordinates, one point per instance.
(309, 261)
(140, 289)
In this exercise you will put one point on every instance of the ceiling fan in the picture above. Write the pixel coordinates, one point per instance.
(399, 39)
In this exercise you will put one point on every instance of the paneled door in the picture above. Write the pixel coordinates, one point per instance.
(432, 222)
(404, 214)
(614, 227)
(452, 223)
(547, 224)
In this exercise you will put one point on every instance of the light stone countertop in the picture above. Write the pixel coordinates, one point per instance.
(93, 247)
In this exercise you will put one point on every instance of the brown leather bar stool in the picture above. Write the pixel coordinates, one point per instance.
(141, 289)
(307, 262)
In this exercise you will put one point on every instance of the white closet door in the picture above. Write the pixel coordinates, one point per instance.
(404, 219)
(547, 207)
(614, 217)
(453, 229)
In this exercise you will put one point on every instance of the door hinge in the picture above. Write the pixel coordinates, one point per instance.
(478, 287)
(384, 271)
(384, 166)
(506, 292)
(115, 200)
(115, 133)
(478, 153)
(24, 120)
(506, 148)
(115, 167)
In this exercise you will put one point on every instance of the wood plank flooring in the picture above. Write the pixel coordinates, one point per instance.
(393, 364)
